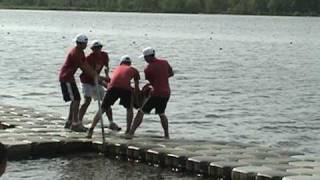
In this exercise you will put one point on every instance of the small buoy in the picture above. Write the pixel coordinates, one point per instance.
(290, 42)
(133, 42)
(146, 34)
(210, 38)
(63, 37)
(211, 33)
(8, 32)
(220, 48)
(90, 30)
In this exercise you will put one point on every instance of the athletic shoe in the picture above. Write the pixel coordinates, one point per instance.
(67, 125)
(113, 126)
(82, 126)
(78, 128)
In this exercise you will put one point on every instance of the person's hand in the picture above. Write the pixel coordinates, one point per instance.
(96, 80)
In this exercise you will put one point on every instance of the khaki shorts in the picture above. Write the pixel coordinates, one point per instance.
(89, 90)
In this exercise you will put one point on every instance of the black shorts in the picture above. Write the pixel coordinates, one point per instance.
(112, 96)
(159, 103)
(70, 91)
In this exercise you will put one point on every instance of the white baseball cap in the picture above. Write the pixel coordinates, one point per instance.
(125, 58)
(81, 38)
(96, 43)
(147, 52)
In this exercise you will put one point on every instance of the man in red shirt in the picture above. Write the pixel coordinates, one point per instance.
(157, 72)
(119, 87)
(96, 59)
(74, 60)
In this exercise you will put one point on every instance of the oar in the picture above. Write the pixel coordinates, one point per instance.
(101, 119)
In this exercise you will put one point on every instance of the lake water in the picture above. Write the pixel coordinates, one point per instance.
(251, 79)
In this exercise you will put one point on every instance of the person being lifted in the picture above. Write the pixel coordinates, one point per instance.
(157, 72)
(119, 87)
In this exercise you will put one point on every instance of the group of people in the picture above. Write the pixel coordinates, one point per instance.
(118, 86)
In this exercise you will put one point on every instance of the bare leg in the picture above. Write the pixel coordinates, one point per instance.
(109, 114)
(69, 120)
(84, 107)
(136, 123)
(95, 122)
(75, 111)
(70, 113)
(165, 126)
(129, 119)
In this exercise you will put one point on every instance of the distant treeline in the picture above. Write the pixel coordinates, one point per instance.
(265, 7)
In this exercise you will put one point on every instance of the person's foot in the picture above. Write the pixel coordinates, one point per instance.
(82, 126)
(113, 126)
(67, 125)
(128, 136)
(78, 128)
(89, 135)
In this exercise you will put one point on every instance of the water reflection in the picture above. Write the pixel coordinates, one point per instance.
(87, 167)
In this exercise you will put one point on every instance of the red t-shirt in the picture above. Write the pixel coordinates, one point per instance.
(96, 61)
(157, 73)
(122, 75)
(71, 65)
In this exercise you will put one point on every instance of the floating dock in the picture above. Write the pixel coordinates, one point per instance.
(32, 134)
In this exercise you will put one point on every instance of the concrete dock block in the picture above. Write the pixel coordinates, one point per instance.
(305, 171)
(137, 151)
(257, 162)
(134, 154)
(18, 150)
(155, 157)
(272, 175)
(178, 159)
(301, 178)
(200, 164)
(47, 148)
(72, 146)
(282, 160)
(279, 167)
(97, 146)
(305, 164)
(223, 169)
(247, 172)
(117, 150)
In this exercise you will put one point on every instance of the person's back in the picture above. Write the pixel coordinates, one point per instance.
(121, 77)
(71, 64)
(157, 73)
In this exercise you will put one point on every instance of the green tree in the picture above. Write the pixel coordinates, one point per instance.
(261, 6)
(172, 6)
(192, 6)
(214, 6)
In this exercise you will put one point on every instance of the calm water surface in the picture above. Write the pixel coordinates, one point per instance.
(237, 78)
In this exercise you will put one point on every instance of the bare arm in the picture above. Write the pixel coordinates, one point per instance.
(89, 70)
(170, 71)
(106, 71)
(136, 79)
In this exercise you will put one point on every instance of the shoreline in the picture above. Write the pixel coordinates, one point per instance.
(2, 7)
